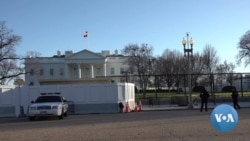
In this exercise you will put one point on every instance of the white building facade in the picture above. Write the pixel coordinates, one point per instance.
(72, 67)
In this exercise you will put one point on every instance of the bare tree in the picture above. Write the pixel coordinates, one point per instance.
(210, 59)
(220, 70)
(18, 81)
(140, 62)
(9, 68)
(244, 49)
(229, 70)
(226, 72)
(197, 67)
(197, 63)
(206, 64)
(170, 66)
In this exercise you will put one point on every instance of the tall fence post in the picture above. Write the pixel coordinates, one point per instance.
(241, 86)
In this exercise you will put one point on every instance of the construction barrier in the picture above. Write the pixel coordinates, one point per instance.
(127, 109)
(140, 106)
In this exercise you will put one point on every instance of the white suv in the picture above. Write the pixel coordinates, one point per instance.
(48, 105)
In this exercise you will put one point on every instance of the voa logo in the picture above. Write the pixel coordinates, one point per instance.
(224, 118)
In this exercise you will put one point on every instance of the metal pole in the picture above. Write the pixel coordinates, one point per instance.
(241, 86)
(126, 73)
(189, 52)
(190, 104)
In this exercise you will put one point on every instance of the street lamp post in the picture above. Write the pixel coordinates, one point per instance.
(188, 51)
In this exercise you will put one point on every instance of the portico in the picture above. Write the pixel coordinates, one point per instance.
(85, 70)
(85, 64)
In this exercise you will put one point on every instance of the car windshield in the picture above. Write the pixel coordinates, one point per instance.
(42, 99)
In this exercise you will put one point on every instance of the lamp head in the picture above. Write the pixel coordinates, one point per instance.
(184, 42)
(191, 42)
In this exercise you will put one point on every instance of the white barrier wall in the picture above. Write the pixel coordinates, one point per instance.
(7, 101)
(84, 98)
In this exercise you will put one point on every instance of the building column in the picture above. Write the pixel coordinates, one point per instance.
(92, 70)
(104, 69)
(79, 71)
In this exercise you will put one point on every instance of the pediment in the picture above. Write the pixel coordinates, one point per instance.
(85, 54)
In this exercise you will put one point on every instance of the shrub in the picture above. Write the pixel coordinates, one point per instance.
(228, 88)
(198, 88)
(173, 90)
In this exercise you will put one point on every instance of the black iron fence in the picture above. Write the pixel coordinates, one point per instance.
(167, 88)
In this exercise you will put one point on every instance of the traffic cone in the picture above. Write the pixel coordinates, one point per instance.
(136, 108)
(140, 106)
(127, 108)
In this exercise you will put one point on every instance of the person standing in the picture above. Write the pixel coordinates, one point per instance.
(235, 96)
(121, 107)
(204, 95)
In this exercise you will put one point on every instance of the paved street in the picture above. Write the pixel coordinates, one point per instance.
(174, 125)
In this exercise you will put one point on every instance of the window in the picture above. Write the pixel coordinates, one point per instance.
(32, 72)
(51, 72)
(121, 70)
(41, 72)
(61, 71)
(31, 83)
(112, 70)
(98, 71)
(87, 72)
(43, 99)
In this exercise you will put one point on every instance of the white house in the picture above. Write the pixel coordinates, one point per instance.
(79, 67)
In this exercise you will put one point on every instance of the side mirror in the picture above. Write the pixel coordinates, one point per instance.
(64, 100)
(32, 102)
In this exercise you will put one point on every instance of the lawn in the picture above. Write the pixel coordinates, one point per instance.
(167, 95)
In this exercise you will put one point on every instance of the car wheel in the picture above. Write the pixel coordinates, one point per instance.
(66, 114)
(31, 118)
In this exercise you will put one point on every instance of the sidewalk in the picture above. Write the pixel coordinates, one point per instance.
(197, 106)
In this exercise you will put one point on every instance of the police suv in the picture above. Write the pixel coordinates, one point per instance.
(48, 105)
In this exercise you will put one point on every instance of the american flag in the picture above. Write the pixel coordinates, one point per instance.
(85, 34)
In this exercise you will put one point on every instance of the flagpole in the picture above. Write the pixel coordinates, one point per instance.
(85, 35)
(87, 43)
